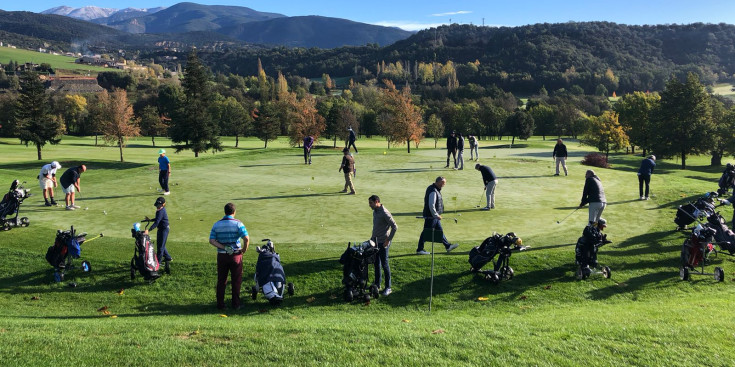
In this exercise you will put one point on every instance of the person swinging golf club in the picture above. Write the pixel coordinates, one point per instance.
(490, 181)
(433, 208)
(594, 195)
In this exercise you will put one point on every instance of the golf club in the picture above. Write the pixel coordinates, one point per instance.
(431, 284)
(454, 199)
(479, 203)
(94, 238)
(565, 218)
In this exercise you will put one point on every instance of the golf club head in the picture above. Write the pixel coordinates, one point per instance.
(455, 220)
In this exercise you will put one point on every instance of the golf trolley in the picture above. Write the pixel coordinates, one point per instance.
(355, 261)
(696, 252)
(66, 248)
(586, 252)
(144, 258)
(269, 275)
(499, 245)
(10, 205)
(697, 210)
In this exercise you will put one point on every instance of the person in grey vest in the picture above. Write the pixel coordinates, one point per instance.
(560, 156)
(594, 195)
(433, 209)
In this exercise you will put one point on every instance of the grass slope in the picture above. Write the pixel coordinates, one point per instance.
(642, 316)
(59, 63)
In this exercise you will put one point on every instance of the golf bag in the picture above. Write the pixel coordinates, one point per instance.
(695, 253)
(495, 245)
(727, 180)
(355, 261)
(702, 208)
(10, 207)
(67, 247)
(269, 275)
(585, 252)
(724, 236)
(144, 259)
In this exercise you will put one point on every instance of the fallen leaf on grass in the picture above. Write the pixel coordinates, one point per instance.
(626, 284)
(195, 332)
(547, 287)
(438, 331)
(106, 312)
(222, 315)
(406, 321)
(35, 298)
(294, 318)
(103, 308)
(367, 303)
(113, 316)
(310, 299)
(121, 291)
(522, 297)
(482, 298)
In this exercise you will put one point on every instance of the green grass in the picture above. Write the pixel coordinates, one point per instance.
(643, 316)
(60, 63)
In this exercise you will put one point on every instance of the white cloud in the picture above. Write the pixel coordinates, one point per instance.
(452, 13)
(407, 25)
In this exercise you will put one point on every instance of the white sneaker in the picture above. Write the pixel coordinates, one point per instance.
(167, 193)
(75, 206)
(646, 197)
(69, 207)
(452, 247)
(643, 198)
(386, 292)
(422, 252)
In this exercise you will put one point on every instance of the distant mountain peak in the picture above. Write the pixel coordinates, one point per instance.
(95, 12)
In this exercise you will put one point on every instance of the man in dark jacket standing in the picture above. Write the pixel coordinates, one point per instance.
(594, 195)
(560, 156)
(351, 139)
(308, 143)
(490, 181)
(161, 222)
(460, 152)
(384, 228)
(348, 167)
(644, 175)
(452, 149)
(433, 208)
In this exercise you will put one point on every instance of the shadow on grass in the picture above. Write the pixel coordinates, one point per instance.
(271, 165)
(310, 194)
(403, 170)
(91, 165)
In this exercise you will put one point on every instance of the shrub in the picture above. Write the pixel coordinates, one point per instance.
(596, 160)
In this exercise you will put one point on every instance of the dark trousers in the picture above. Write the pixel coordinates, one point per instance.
(232, 265)
(641, 180)
(163, 179)
(453, 153)
(382, 262)
(437, 225)
(307, 155)
(161, 237)
(351, 143)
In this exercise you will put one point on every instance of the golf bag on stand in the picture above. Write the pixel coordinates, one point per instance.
(695, 254)
(695, 211)
(269, 275)
(495, 245)
(10, 206)
(67, 247)
(585, 253)
(727, 180)
(144, 259)
(355, 261)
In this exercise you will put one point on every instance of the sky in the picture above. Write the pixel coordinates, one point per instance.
(416, 15)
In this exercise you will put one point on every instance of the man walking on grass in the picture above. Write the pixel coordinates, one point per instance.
(384, 228)
(231, 239)
(560, 156)
(348, 167)
(433, 208)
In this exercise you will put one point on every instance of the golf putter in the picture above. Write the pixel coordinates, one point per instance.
(568, 215)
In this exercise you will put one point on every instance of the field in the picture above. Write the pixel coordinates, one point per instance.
(644, 315)
(61, 64)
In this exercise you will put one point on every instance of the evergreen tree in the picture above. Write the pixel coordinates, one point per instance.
(520, 124)
(266, 125)
(33, 122)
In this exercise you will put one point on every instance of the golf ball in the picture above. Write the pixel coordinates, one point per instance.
(384, 153)
(105, 211)
(179, 218)
(86, 208)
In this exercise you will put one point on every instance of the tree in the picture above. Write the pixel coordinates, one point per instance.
(635, 113)
(266, 124)
(605, 133)
(73, 108)
(305, 120)
(192, 126)
(400, 121)
(520, 124)
(117, 126)
(543, 118)
(684, 120)
(233, 118)
(152, 124)
(721, 138)
(435, 128)
(33, 122)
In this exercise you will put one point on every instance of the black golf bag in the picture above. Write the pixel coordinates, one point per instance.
(495, 245)
(727, 180)
(269, 275)
(585, 252)
(355, 261)
(66, 248)
(724, 236)
(144, 259)
(698, 210)
(10, 206)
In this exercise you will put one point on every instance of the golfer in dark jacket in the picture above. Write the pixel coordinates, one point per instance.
(560, 156)
(384, 228)
(452, 149)
(460, 152)
(644, 175)
(308, 143)
(161, 222)
(490, 181)
(433, 208)
(348, 167)
(351, 139)
(594, 195)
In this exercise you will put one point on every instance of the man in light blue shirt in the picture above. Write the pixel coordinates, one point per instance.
(231, 239)
(164, 171)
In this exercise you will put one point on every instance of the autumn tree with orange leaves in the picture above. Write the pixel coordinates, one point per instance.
(400, 120)
(116, 123)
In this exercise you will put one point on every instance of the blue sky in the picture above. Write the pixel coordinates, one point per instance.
(414, 15)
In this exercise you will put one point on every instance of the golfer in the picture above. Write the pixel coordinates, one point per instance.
(560, 156)
(70, 184)
(384, 228)
(231, 239)
(593, 194)
(433, 208)
(460, 152)
(308, 143)
(348, 167)
(473, 147)
(164, 171)
(490, 181)
(47, 181)
(452, 149)
(644, 175)
(161, 222)
(351, 139)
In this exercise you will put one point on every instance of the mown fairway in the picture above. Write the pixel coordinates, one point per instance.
(644, 315)
(62, 64)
